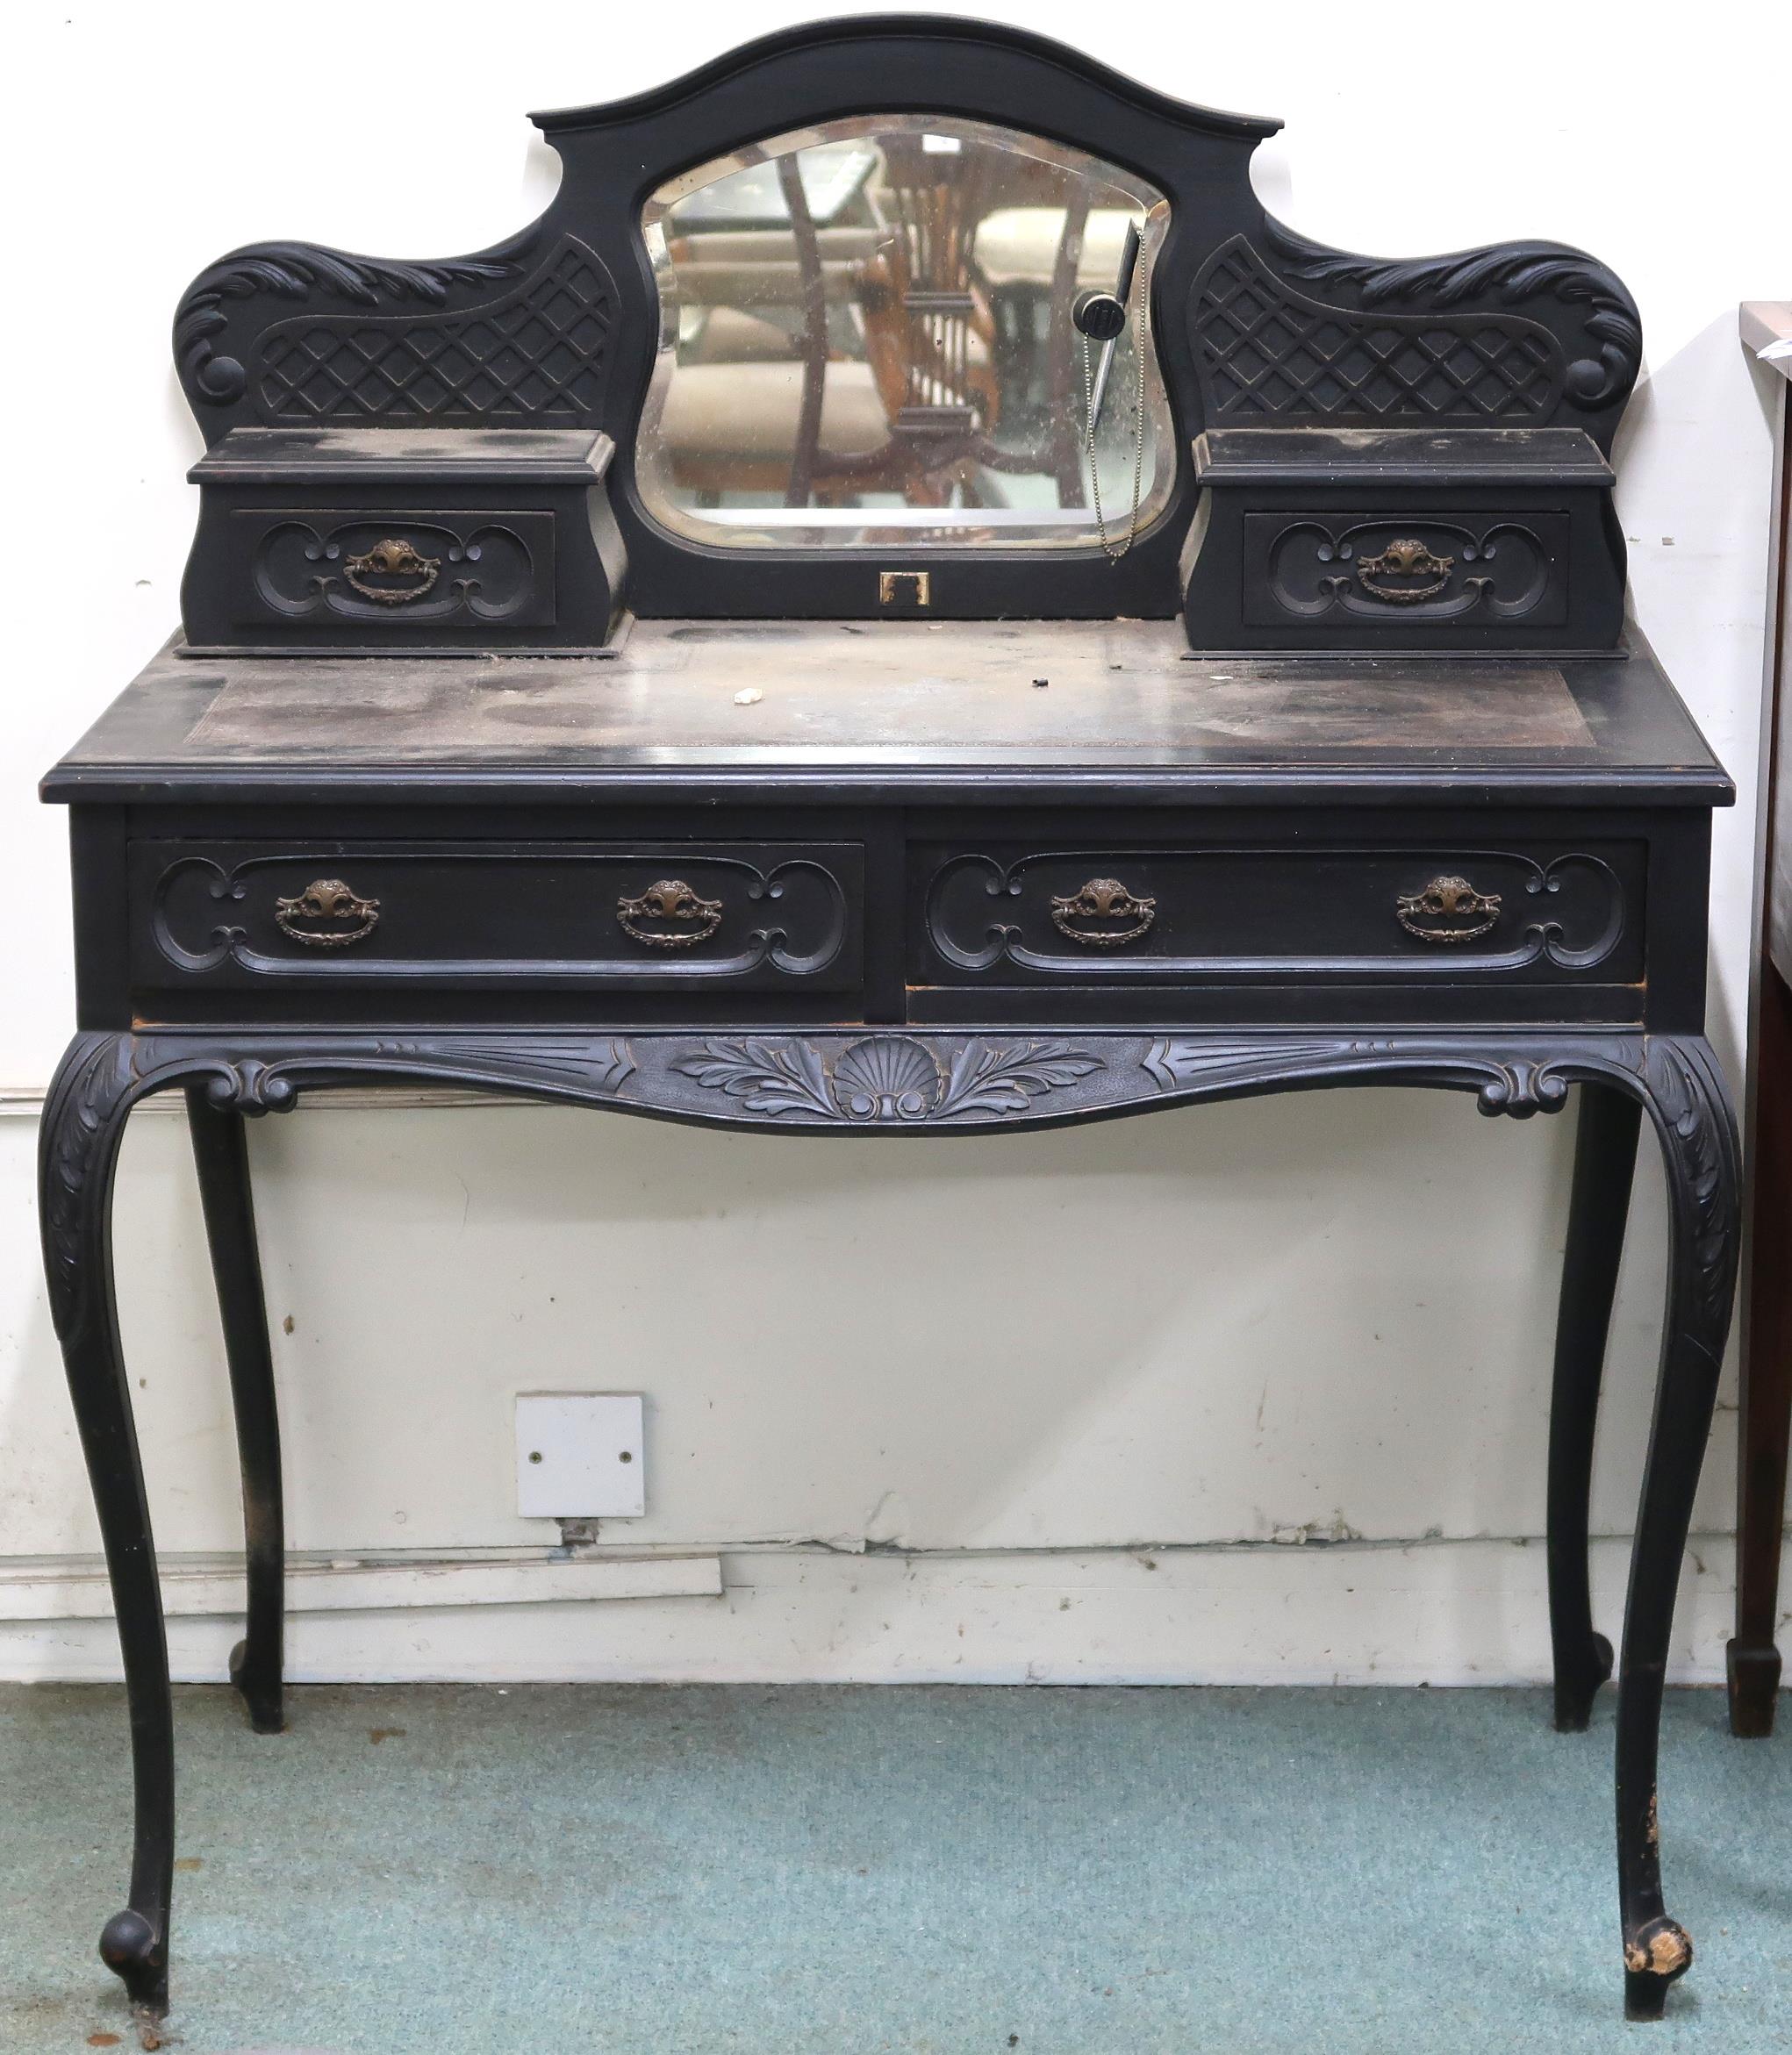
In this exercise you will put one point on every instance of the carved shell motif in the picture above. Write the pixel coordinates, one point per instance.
(888, 1077)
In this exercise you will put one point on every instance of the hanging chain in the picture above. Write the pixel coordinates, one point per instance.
(1139, 409)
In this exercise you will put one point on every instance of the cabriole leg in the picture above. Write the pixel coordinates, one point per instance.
(78, 1147)
(1605, 1157)
(220, 1155)
(1691, 1112)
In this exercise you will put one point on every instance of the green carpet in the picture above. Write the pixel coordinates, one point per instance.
(841, 1871)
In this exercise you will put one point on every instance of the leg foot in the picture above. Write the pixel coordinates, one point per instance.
(1661, 1951)
(1755, 1687)
(132, 1948)
(1578, 1678)
(260, 1690)
(1646, 1996)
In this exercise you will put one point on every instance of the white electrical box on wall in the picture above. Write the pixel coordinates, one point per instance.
(579, 1456)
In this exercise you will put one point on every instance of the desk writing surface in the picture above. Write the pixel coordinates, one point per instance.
(897, 699)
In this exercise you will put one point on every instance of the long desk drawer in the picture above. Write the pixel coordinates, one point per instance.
(1115, 916)
(656, 917)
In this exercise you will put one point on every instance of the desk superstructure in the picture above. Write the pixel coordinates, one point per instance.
(847, 766)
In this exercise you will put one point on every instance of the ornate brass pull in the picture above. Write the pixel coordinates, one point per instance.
(327, 899)
(394, 558)
(1452, 900)
(669, 900)
(1104, 899)
(1406, 558)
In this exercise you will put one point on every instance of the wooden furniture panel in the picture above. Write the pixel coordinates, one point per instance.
(361, 540)
(1475, 908)
(368, 915)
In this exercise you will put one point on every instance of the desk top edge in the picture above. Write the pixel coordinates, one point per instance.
(915, 707)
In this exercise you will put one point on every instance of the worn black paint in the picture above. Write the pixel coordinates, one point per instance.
(1605, 1158)
(519, 521)
(852, 987)
(236, 324)
(221, 1158)
(1521, 518)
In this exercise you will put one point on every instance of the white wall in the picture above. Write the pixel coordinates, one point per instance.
(1056, 1381)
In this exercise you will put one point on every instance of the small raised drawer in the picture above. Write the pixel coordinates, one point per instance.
(1091, 915)
(749, 916)
(369, 541)
(1495, 539)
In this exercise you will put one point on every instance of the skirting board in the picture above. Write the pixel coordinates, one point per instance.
(192, 1591)
(1430, 1613)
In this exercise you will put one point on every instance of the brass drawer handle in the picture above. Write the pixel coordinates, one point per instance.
(394, 558)
(1104, 899)
(1407, 558)
(669, 900)
(327, 899)
(1452, 900)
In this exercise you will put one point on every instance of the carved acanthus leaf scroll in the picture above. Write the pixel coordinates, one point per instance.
(890, 1078)
(294, 271)
(1511, 273)
(1698, 1134)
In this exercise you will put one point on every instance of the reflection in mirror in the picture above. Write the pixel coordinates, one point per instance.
(867, 338)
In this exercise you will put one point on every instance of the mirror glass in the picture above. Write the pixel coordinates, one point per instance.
(867, 340)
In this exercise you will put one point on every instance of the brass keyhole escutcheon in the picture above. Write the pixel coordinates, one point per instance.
(345, 916)
(1103, 914)
(1449, 909)
(904, 589)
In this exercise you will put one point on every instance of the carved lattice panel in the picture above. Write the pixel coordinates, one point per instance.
(537, 357)
(1264, 349)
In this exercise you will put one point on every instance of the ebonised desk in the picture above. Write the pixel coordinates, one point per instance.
(606, 676)
(922, 879)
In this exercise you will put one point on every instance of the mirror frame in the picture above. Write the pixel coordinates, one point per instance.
(587, 255)
(617, 156)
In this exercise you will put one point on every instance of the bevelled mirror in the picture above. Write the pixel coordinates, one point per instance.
(867, 338)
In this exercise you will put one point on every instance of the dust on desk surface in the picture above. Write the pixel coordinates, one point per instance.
(914, 692)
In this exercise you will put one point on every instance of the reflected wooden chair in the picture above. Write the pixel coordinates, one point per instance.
(757, 406)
